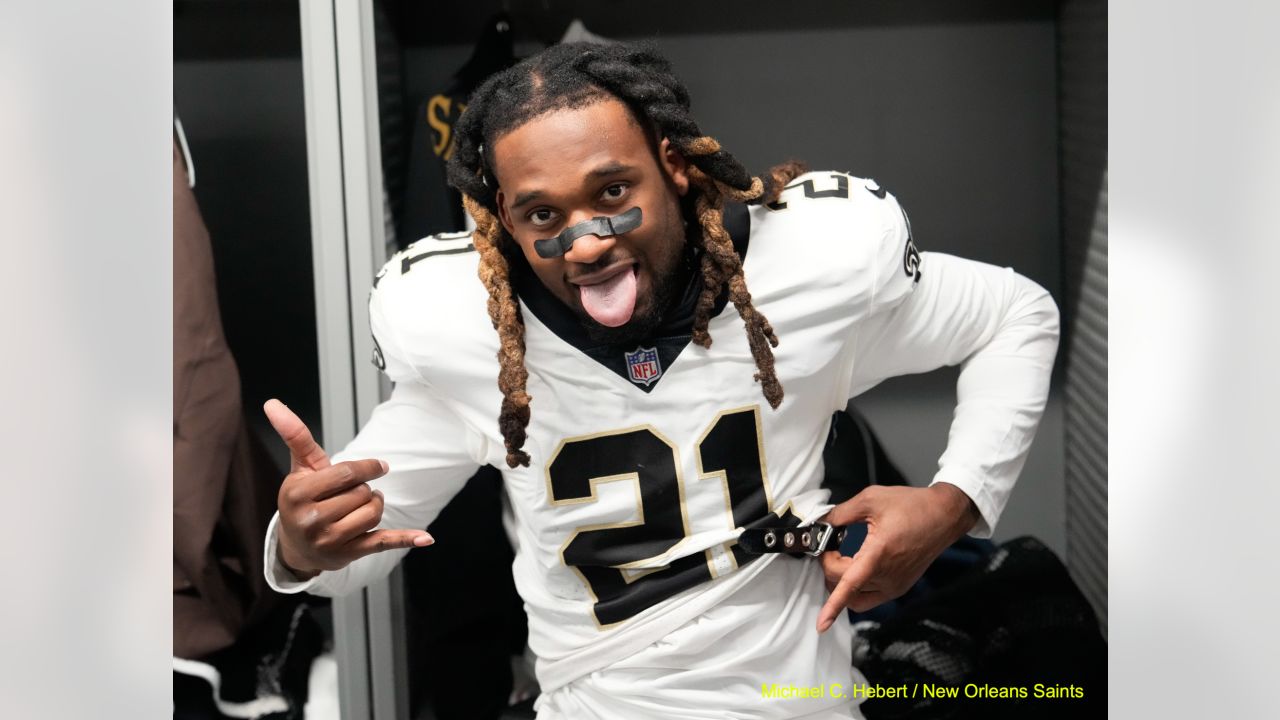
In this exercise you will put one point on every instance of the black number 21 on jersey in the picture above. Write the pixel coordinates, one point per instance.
(606, 556)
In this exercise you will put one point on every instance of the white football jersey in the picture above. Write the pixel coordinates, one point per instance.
(648, 461)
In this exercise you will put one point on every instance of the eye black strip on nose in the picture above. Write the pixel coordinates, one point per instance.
(600, 226)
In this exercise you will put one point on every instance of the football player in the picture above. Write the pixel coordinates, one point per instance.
(661, 450)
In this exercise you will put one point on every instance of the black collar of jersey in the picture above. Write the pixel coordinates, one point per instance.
(668, 340)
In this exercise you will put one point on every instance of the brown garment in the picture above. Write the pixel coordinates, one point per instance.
(224, 483)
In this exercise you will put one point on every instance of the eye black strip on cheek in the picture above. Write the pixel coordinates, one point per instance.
(599, 225)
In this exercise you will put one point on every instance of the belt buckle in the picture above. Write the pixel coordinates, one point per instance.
(824, 533)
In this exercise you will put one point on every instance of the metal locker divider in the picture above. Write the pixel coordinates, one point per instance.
(345, 181)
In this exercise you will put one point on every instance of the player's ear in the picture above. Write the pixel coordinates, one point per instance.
(675, 165)
(503, 215)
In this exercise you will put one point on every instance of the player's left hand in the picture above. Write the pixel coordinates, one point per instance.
(907, 528)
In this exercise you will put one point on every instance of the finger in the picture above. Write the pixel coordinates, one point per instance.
(856, 509)
(336, 507)
(344, 476)
(833, 567)
(304, 453)
(869, 599)
(858, 574)
(869, 588)
(357, 522)
(381, 540)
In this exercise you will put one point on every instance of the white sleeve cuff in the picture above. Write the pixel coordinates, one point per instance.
(278, 576)
(979, 493)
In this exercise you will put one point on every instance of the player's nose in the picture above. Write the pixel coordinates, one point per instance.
(588, 248)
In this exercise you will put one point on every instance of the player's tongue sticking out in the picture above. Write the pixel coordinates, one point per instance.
(611, 302)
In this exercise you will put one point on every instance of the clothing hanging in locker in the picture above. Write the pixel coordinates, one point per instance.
(430, 205)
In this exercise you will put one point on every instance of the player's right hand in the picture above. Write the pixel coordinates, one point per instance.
(328, 513)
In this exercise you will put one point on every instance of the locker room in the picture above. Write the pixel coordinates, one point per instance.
(312, 135)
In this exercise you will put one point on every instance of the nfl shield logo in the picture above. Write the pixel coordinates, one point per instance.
(642, 365)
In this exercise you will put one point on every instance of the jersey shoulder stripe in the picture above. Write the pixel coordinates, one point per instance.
(402, 262)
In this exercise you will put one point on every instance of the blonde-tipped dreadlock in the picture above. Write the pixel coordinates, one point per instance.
(573, 75)
(504, 312)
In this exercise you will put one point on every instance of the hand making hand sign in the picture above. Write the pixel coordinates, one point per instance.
(328, 513)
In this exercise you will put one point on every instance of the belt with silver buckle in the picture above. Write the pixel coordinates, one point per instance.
(812, 539)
